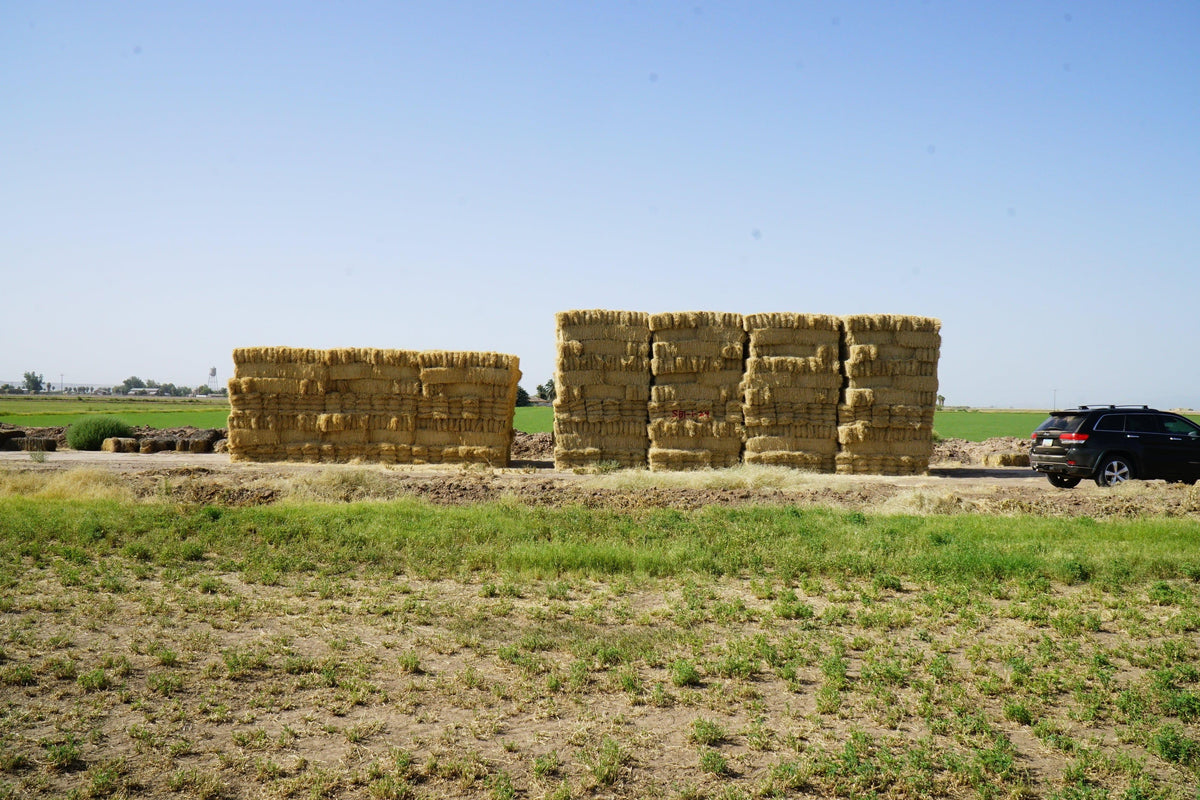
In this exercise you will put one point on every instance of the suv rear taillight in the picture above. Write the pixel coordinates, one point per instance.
(1077, 438)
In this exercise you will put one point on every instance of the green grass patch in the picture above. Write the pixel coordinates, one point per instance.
(977, 425)
(534, 419)
(517, 540)
(156, 412)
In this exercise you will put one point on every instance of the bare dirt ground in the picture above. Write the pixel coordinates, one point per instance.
(957, 482)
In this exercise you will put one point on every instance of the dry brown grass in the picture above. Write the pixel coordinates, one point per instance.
(82, 483)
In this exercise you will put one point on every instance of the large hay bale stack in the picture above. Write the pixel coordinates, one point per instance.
(351, 404)
(695, 409)
(885, 419)
(791, 389)
(602, 377)
(465, 411)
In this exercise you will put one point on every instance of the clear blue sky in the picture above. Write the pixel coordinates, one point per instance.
(179, 179)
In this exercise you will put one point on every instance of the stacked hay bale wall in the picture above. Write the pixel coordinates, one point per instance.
(276, 397)
(885, 419)
(791, 389)
(293, 404)
(695, 407)
(465, 412)
(602, 379)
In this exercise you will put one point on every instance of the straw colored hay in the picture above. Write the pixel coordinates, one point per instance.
(599, 317)
(885, 419)
(789, 320)
(675, 320)
(812, 462)
(664, 459)
(602, 378)
(366, 403)
(695, 403)
(850, 464)
(467, 359)
(243, 356)
(1006, 460)
(796, 388)
(890, 323)
(620, 348)
(816, 446)
(731, 349)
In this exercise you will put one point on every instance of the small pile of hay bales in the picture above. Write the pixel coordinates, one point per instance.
(390, 406)
(885, 419)
(791, 389)
(695, 398)
(602, 380)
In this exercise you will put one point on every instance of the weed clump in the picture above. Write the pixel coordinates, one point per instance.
(90, 433)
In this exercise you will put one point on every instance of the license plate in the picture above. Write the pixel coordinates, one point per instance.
(1047, 442)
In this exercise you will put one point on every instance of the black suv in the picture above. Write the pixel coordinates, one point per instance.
(1112, 444)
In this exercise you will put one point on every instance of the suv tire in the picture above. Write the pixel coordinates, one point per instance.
(1062, 481)
(1114, 470)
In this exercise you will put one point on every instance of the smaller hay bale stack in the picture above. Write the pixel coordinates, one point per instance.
(465, 410)
(602, 379)
(389, 406)
(885, 420)
(791, 389)
(697, 361)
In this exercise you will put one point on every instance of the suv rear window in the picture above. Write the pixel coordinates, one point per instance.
(1062, 422)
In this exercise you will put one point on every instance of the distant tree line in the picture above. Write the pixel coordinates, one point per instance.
(35, 383)
(133, 382)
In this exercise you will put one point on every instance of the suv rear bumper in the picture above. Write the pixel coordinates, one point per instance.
(1062, 469)
(1059, 466)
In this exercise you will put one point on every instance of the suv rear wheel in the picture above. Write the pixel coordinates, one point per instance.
(1114, 470)
(1062, 481)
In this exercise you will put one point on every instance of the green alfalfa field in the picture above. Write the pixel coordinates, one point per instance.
(403, 650)
(973, 425)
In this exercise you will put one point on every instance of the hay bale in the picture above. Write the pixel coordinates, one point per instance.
(11, 439)
(710, 320)
(600, 317)
(791, 321)
(810, 462)
(610, 348)
(1006, 460)
(602, 375)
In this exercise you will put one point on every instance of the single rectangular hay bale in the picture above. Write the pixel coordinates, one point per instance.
(601, 318)
(789, 320)
(675, 320)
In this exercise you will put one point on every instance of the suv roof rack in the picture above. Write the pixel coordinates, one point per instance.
(1124, 405)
